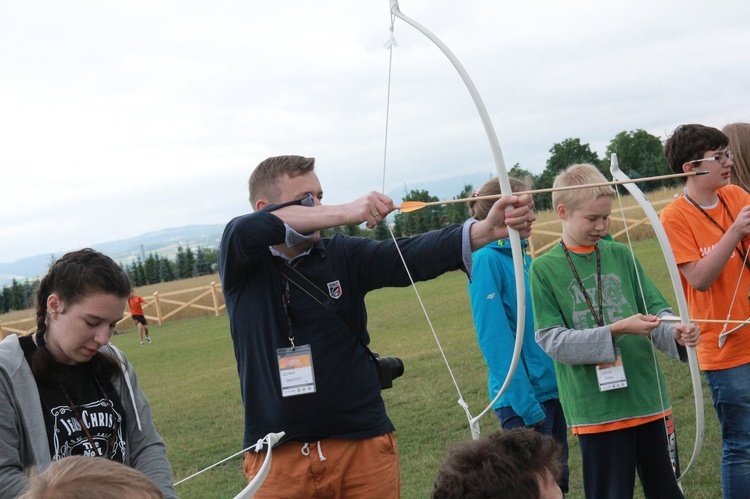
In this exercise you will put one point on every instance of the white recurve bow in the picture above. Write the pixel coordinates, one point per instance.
(270, 440)
(505, 189)
(674, 274)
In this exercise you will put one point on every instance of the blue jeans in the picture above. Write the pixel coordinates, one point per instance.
(730, 390)
(554, 424)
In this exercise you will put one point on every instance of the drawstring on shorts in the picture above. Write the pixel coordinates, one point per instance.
(306, 450)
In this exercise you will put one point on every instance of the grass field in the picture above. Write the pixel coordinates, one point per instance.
(190, 377)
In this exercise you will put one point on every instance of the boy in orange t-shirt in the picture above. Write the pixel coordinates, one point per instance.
(707, 229)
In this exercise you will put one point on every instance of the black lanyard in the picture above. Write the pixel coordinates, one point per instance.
(741, 249)
(598, 318)
(286, 300)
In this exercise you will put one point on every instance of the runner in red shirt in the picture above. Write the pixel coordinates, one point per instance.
(136, 311)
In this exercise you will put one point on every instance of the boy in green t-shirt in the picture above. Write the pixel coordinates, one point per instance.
(597, 315)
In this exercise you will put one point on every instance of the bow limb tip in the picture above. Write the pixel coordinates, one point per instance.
(722, 340)
(475, 431)
(273, 438)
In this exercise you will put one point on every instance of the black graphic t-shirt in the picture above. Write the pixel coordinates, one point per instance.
(83, 415)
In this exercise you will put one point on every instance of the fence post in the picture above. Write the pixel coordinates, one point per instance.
(159, 316)
(532, 248)
(215, 298)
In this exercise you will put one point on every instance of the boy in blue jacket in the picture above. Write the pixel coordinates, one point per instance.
(531, 400)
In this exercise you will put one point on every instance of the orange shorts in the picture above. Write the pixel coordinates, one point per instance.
(330, 468)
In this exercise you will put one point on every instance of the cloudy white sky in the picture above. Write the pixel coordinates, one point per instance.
(121, 117)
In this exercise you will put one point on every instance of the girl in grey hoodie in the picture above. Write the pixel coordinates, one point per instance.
(64, 390)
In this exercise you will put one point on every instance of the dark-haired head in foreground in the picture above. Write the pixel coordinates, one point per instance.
(518, 463)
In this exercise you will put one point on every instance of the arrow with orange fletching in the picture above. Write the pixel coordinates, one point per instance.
(409, 206)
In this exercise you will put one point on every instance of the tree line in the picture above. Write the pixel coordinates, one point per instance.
(17, 296)
(188, 263)
(639, 155)
(154, 269)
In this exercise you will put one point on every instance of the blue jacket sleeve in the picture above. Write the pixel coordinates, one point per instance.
(492, 298)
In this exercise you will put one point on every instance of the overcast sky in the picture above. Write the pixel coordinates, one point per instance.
(122, 117)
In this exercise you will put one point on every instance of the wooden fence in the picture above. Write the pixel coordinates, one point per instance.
(543, 239)
(173, 305)
(167, 306)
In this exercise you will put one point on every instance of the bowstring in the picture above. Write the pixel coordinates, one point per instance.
(247, 449)
(390, 45)
(645, 307)
(734, 297)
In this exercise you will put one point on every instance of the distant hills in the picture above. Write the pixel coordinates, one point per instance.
(162, 242)
(165, 242)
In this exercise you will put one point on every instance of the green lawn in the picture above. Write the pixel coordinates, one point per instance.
(190, 377)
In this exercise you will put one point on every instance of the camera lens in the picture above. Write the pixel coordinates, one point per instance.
(394, 364)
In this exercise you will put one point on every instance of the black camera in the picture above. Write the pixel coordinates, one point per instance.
(389, 368)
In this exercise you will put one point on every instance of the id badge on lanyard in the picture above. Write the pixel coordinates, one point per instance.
(611, 376)
(296, 370)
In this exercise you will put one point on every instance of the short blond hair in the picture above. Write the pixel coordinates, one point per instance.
(81, 477)
(264, 181)
(579, 174)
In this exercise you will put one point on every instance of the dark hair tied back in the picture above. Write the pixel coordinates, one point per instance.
(74, 276)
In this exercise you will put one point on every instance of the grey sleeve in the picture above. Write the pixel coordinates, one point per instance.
(577, 346)
(294, 238)
(466, 245)
(663, 338)
(13, 481)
